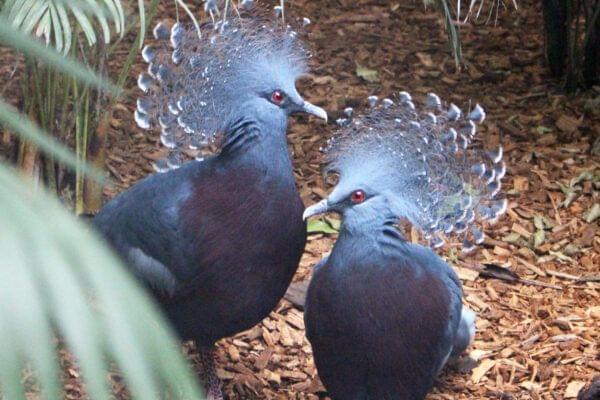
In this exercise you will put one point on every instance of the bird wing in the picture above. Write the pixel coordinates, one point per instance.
(142, 225)
(152, 272)
(321, 263)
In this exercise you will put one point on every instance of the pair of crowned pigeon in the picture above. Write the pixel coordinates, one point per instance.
(218, 239)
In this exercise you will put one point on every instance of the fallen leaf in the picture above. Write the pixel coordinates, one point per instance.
(482, 369)
(538, 222)
(571, 193)
(539, 237)
(369, 75)
(512, 238)
(571, 249)
(272, 376)
(531, 386)
(466, 274)
(573, 389)
(319, 226)
(498, 272)
(324, 80)
(592, 214)
(425, 59)
(542, 130)
(561, 257)
(584, 176)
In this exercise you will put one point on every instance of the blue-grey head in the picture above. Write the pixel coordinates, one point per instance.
(421, 165)
(200, 83)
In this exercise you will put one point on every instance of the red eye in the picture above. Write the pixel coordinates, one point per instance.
(358, 196)
(277, 97)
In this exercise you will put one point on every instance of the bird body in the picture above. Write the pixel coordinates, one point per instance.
(222, 238)
(216, 240)
(383, 315)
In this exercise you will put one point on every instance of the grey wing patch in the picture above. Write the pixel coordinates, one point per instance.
(465, 333)
(151, 271)
(320, 264)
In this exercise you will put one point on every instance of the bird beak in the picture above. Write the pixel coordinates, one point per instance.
(316, 209)
(314, 110)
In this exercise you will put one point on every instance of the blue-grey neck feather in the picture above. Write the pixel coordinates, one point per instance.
(259, 138)
(196, 86)
(424, 163)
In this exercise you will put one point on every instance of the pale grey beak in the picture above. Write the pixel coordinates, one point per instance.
(314, 110)
(316, 209)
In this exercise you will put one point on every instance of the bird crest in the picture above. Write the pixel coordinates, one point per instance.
(427, 160)
(198, 77)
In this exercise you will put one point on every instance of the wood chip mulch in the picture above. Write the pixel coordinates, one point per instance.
(537, 338)
(538, 327)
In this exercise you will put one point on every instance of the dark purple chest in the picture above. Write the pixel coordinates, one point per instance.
(244, 238)
(379, 325)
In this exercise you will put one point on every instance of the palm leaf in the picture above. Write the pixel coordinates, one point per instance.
(57, 278)
(10, 117)
(32, 48)
(55, 273)
(47, 18)
(59, 35)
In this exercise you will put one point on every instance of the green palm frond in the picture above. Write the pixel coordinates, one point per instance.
(11, 118)
(21, 125)
(52, 19)
(56, 277)
(24, 43)
(452, 27)
(58, 280)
